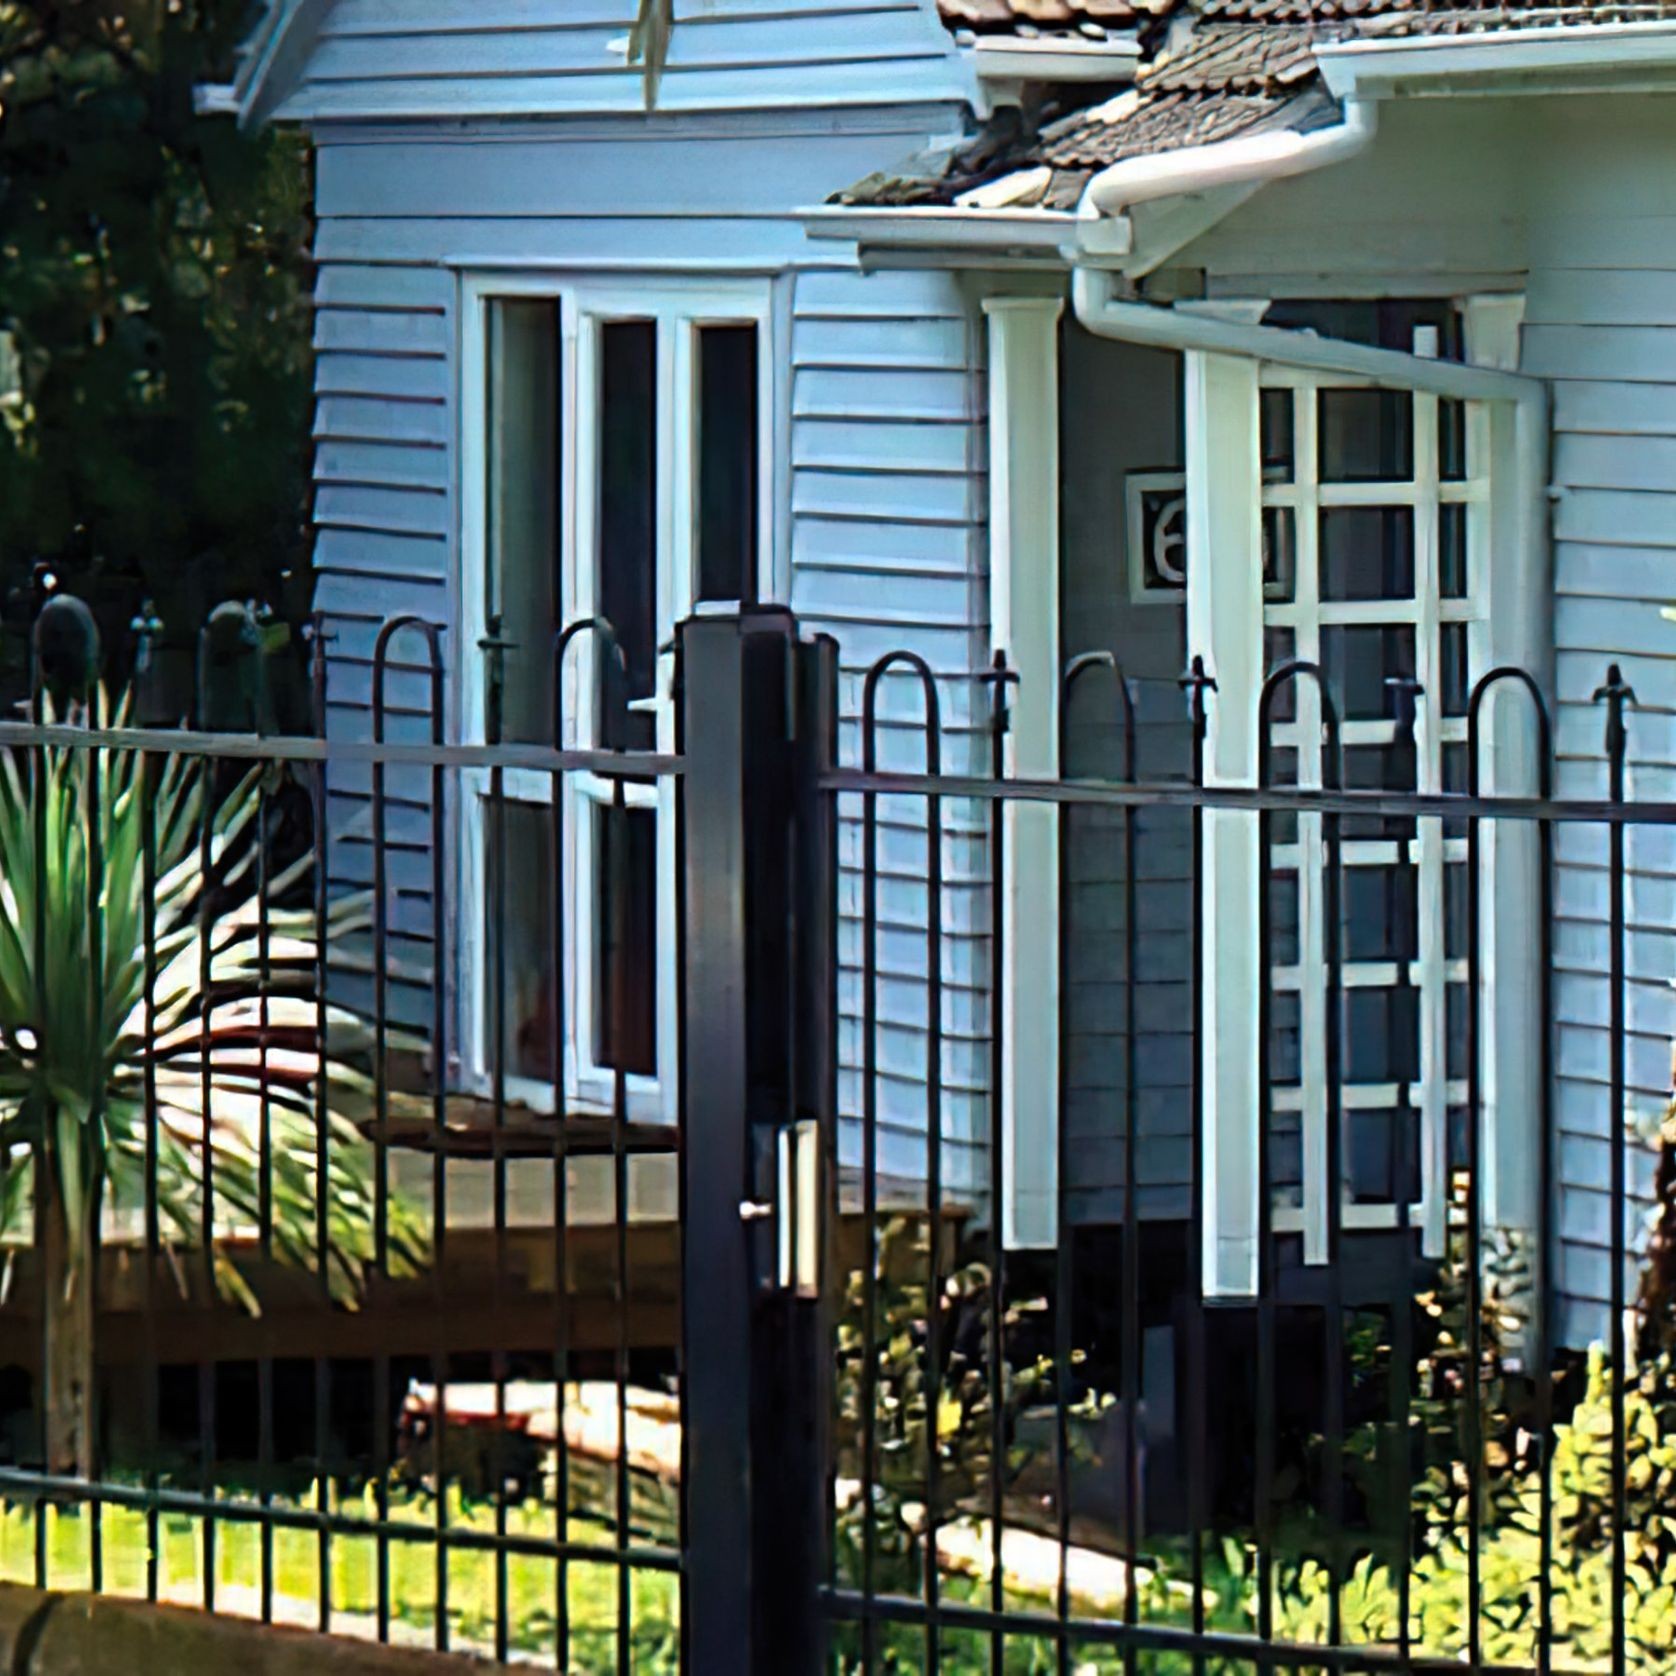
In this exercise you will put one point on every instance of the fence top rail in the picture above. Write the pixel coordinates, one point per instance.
(1275, 799)
(267, 747)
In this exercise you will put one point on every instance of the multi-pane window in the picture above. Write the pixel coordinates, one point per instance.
(1387, 527)
(1372, 499)
(613, 470)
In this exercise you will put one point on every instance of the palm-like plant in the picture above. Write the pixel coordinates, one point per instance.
(178, 1023)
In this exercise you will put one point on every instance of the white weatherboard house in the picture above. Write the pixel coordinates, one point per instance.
(1246, 330)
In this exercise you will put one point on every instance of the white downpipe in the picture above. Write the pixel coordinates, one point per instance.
(1248, 159)
(1100, 310)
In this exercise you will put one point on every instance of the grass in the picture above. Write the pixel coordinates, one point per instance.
(531, 1584)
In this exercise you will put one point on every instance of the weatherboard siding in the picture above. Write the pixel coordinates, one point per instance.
(880, 486)
(1601, 326)
(441, 58)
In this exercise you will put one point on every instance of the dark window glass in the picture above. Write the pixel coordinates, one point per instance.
(1280, 647)
(1367, 552)
(626, 939)
(1367, 436)
(1455, 672)
(628, 460)
(728, 454)
(1358, 660)
(1382, 1151)
(1452, 550)
(523, 579)
(1274, 412)
(1378, 908)
(521, 923)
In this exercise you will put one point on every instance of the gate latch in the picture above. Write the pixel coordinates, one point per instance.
(795, 1209)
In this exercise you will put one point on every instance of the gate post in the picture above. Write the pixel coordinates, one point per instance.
(758, 865)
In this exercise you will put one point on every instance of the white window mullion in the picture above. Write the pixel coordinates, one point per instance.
(1313, 929)
(1428, 846)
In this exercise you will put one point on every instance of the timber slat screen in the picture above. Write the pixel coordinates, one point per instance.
(1399, 1447)
(342, 1257)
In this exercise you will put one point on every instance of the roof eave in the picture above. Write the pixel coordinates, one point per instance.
(946, 228)
(278, 51)
(1581, 57)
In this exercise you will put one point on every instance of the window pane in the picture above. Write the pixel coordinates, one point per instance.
(626, 912)
(1359, 659)
(728, 452)
(1367, 436)
(521, 922)
(1367, 552)
(628, 472)
(522, 583)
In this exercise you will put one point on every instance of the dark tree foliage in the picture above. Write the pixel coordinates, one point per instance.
(154, 322)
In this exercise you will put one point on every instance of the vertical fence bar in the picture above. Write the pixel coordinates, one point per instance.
(912, 664)
(494, 648)
(151, 1397)
(322, 1123)
(869, 1178)
(94, 826)
(1404, 690)
(1268, 1421)
(1332, 777)
(1129, 1309)
(46, 1189)
(617, 1001)
(206, 991)
(999, 677)
(558, 1025)
(1476, 702)
(264, 1194)
(1197, 685)
(406, 622)
(1617, 694)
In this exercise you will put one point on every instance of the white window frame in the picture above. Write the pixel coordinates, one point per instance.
(586, 303)
(1226, 614)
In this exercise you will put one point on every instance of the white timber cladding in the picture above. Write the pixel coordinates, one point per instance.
(584, 307)
(1024, 621)
(1227, 614)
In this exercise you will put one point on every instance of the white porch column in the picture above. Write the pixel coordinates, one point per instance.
(1225, 627)
(1024, 619)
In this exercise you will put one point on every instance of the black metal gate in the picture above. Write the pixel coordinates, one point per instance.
(380, 1254)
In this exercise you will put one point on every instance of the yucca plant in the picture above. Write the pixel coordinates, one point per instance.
(212, 1011)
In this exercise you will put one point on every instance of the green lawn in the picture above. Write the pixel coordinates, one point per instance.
(532, 1584)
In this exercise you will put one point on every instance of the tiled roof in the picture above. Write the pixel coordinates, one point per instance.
(1056, 17)
(1134, 125)
(1212, 69)
(1238, 58)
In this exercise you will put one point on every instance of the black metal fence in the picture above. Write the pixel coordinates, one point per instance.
(334, 1293)
(444, 1192)
(1400, 1452)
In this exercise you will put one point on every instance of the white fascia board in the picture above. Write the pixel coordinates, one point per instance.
(1014, 59)
(941, 227)
(279, 51)
(1620, 57)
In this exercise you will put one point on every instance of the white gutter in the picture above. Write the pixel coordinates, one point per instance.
(1248, 159)
(940, 227)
